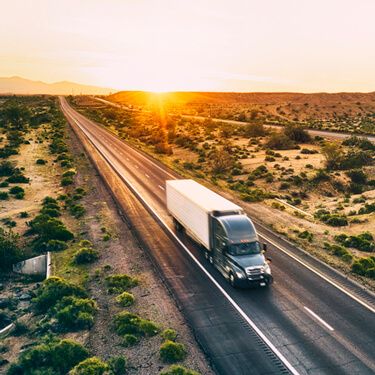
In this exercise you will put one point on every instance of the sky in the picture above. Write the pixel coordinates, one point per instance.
(202, 45)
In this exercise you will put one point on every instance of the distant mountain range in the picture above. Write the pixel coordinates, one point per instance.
(19, 85)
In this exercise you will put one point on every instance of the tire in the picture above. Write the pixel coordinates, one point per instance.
(178, 226)
(210, 259)
(232, 280)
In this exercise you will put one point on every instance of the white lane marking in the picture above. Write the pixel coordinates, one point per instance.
(147, 175)
(161, 187)
(318, 273)
(318, 318)
(226, 295)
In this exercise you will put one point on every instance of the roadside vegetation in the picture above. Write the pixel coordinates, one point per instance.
(48, 206)
(307, 189)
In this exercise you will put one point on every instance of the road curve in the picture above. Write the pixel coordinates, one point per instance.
(313, 132)
(316, 327)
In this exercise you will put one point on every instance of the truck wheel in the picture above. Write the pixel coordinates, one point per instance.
(210, 259)
(232, 280)
(178, 226)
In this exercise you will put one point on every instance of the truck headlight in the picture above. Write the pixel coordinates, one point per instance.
(267, 268)
(240, 274)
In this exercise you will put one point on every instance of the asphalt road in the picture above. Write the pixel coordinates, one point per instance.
(312, 132)
(318, 321)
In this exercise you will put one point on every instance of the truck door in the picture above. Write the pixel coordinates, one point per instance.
(219, 246)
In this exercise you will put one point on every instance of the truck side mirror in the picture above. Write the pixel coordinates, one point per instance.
(264, 247)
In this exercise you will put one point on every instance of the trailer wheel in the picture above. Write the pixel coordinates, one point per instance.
(177, 225)
(210, 259)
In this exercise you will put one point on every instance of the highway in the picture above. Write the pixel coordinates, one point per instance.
(312, 132)
(310, 321)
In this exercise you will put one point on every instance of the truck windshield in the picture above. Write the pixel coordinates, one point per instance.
(249, 248)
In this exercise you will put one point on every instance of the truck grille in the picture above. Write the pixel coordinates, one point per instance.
(254, 271)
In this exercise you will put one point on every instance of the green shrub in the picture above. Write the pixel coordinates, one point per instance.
(69, 173)
(77, 210)
(120, 283)
(56, 245)
(129, 340)
(365, 267)
(16, 189)
(169, 334)
(10, 251)
(56, 357)
(128, 323)
(171, 352)
(331, 219)
(306, 235)
(357, 176)
(40, 162)
(51, 212)
(106, 237)
(18, 178)
(117, 365)
(339, 251)
(53, 290)
(178, 370)
(23, 214)
(49, 228)
(65, 181)
(85, 255)
(125, 299)
(278, 141)
(363, 242)
(75, 313)
(297, 134)
(7, 169)
(4, 184)
(49, 200)
(4, 196)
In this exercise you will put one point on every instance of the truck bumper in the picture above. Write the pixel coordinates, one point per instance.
(255, 283)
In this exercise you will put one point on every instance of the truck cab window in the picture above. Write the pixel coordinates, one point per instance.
(248, 248)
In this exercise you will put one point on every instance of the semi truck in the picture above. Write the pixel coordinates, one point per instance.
(222, 229)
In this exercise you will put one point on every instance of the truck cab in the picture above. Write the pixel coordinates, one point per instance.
(236, 251)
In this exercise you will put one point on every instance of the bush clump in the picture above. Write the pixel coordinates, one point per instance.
(49, 228)
(365, 267)
(85, 255)
(53, 290)
(90, 366)
(339, 251)
(172, 352)
(279, 141)
(75, 313)
(125, 299)
(128, 323)
(77, 210)
(117, 365)
(56, 245)
(10, 250)
(65, 181)
(40, 162)
(120, 283)
(53, 357)
(363, 242)
(169, 334)
(333, 220)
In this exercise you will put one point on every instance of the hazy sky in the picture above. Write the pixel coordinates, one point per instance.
(231, 45)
